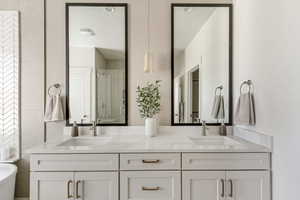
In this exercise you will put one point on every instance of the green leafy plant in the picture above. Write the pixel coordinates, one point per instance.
(148, 99)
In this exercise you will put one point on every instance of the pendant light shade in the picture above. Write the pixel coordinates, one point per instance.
(148, 62)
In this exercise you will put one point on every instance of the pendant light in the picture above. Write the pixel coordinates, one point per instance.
(148, 55)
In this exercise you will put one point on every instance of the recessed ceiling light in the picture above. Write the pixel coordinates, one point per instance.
(188, 9)
(87, 31)
(110, 9)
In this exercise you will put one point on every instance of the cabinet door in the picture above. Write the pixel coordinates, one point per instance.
(96, 186)
(248, 185)
(51, 185)
(150, 185)
(203, 185)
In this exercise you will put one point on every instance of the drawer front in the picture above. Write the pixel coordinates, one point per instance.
(150, 161)
(74, 162)
(163, 185)
(223, 161)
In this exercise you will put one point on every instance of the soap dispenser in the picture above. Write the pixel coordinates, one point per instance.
(222, 129)
(74, 132)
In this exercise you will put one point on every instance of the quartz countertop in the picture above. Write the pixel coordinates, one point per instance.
(141, 144)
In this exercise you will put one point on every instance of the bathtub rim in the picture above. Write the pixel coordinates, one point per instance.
(12, 171)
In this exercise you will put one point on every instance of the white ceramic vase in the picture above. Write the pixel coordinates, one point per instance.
(151, 127)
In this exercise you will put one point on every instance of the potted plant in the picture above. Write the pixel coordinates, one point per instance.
(148, 102)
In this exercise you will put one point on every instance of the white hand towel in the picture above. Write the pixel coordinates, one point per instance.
(221, 112)
(49, 109)
(216, 105)
(218, 110)
(58, 113)
(54, 110)
(245, 111)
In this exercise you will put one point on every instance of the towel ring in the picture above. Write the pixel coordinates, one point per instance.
(56, 86)
(249, 84)
(219, 88)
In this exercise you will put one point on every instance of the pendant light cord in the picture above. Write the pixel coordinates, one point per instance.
(147, 58)
(148, 26)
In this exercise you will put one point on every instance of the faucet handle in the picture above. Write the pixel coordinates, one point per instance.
(94, 124)
(204, 124)
(94, 128)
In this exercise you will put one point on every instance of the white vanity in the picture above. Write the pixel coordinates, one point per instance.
(162, 168)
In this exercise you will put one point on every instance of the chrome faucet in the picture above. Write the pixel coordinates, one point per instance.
(204, 128)
(94, 128)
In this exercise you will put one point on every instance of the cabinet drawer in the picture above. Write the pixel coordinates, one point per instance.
(150, 185)
(150, 161)
(74, 162)
(223, 161)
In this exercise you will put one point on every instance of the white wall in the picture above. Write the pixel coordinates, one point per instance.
(33, 68)
(100, 62)
(82, 56)
(160, 42)
(267, 52)
(32, 81)
(179, 64)
(209, 49)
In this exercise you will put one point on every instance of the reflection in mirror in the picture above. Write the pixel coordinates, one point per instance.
(201, 57)
(97, 63)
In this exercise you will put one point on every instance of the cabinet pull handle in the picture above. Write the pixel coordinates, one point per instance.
(151, 161)
(231, 188)
(77, 193)
(150, 188)
(68, 189)
(223, 188)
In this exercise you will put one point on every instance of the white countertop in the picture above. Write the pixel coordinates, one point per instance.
(141, 144)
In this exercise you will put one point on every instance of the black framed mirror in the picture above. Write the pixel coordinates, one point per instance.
(202, 62)
(97, 64)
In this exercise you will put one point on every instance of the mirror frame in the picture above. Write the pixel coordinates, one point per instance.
(125, 5)
(230, 96)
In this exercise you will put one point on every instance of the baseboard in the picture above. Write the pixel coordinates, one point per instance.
(22, 198)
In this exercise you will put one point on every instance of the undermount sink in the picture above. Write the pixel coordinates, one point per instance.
(91, 141)
(214, 140)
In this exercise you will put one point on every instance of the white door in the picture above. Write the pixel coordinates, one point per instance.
(248, 185)
(80, 92)
(193, 95)
(150, 185)
(51, 185)
(96, 186)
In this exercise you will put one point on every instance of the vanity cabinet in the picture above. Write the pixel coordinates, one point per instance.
(74, 162)
(248, 185)
(221, 185)
(96, 185)
(235, 176)
(74, 185)
(150, 161)
(51, 185)
(203, 185)
(147, 176)
(142, 185)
